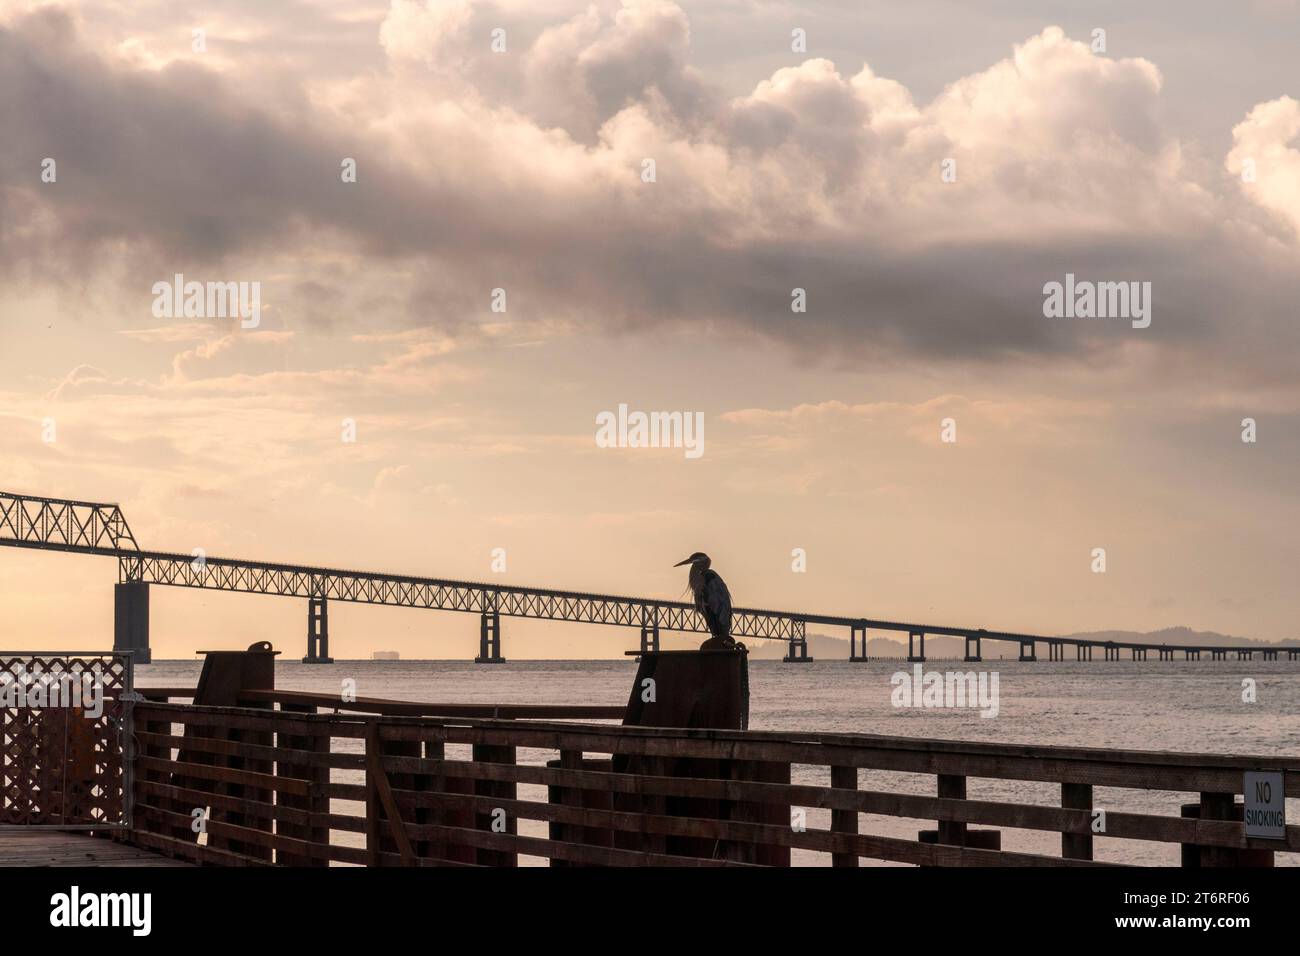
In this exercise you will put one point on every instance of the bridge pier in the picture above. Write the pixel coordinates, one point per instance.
(1216, 655)
(978, 656)
(912, 655)
(1245, 655)
(798, 653)
(489, 639)
(855, 631)
(1139, 653)
(649, 629)
(1055, 651)
(318, 632)
(1027, 652)
(1083, 652)
(649, 638)
(131, 620)
(1292, 654)
(1112, 653)
(1190, 654)
(1270, 655)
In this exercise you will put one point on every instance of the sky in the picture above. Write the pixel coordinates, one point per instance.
(825, 228)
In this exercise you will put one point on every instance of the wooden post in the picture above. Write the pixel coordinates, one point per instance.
(461, 817)
(225, 676)
(952, 786)
(570, 796)
(1076, 796)
(1218, 806)
(844, 821)
(506, 789)
(316, 803)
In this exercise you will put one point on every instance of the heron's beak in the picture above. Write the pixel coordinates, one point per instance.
(680, 563)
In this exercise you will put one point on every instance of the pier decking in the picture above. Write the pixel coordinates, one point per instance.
(42, 847)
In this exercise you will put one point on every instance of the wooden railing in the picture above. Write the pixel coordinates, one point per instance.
(293, 786)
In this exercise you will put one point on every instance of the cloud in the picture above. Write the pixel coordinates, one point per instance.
(522, 171)
(1268, 139)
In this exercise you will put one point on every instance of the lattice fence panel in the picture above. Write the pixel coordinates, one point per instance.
(64, 733)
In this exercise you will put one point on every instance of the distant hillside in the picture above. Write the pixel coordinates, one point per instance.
(835, 648)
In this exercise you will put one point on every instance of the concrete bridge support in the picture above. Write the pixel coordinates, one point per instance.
(318, 632)
(1055, 651)
(1083, 652)
(131, 620)
(1027, 651)
(974, 657)
(489, 639)
(1112, 653)
(913, 654)
(798, 653)
(856, 652)
(649, 638)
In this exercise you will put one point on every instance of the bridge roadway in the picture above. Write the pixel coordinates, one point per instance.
(100, 529)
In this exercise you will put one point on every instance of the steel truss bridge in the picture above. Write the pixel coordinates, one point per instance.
(83, 527)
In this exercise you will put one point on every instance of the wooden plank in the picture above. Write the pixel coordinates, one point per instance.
(299, 755)
(227, 775)
(30, 847)
(243, 718)
(386, 707)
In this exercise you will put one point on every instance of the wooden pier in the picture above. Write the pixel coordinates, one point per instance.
(236, 772)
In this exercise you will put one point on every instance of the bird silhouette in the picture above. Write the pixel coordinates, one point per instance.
(712, 600)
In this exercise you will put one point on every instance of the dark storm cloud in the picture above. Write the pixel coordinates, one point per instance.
(799, 186)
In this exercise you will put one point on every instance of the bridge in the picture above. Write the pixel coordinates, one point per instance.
(83, 527)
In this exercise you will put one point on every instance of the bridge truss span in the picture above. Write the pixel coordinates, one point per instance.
(364, 587)
(61, 524)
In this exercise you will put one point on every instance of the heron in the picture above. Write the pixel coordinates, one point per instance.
(712, 599)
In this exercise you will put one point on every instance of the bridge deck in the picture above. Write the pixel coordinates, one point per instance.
(32, 847)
